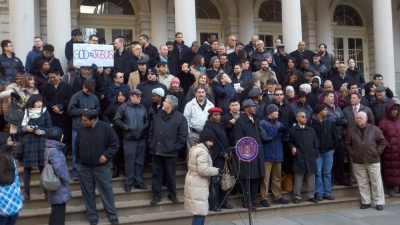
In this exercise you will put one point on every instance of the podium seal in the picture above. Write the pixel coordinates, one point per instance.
(247, 149)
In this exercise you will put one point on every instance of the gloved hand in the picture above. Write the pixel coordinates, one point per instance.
(15, 96)
(283, 129)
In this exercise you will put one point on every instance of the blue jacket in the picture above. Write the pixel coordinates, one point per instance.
(12, 65)
(30, 57)
(224, 93)
(113, 89)
(272, 139)
(59, 163)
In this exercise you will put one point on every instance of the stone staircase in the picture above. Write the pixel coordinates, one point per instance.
(135, 208)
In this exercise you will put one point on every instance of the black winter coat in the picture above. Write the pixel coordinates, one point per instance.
(151, 51)
(281, 65)
(357, 76)
(69, 49)
(223, 94)
(54, 63)
(168, 134)
(245, 128)
(326, 133)
(108, 117)
(12, 65)
(207, 58)
(338, 81)
(228, 126)
(78, 83)
(187, 80)
(88, 152)
(146, 87)
(249, 49)
(121, 63)
(307, 54)
(220, 143)
(204, 49)
(181, 100)
(285, 114)
(172, 64)
(132, 119)
(306, 143)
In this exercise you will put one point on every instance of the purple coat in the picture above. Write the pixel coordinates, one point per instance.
(59, 163)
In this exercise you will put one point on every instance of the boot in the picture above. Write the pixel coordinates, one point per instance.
(116, 172)
(27, 195)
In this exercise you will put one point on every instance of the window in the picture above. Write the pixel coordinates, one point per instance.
(205, 9)
(347, 16)
(116, 7)
(269, 41)
(271, 11)
(99, 32)
(348, 47)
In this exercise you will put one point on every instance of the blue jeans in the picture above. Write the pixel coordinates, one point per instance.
(323, 176)
(74, 164)
(198, 220)
(8, 220)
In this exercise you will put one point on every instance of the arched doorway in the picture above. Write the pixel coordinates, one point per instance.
(107, 19)
(270, 28)
(350, 36)
(208, 20)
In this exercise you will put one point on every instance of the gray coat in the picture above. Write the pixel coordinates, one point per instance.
(78, 104)
(58, 162)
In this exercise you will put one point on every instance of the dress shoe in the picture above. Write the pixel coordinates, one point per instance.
(313, 200)
(281, 201)
(226, 206)
(155, 201)
(127, 188)
(365, 206)
(215, 209)
(27, 195)
(140, 186)
(319, 198)
(94, 222)
(173, 199)
(265, 203)
(296, 201)
(252, 206)
(379, 207)
(114, 221)
(328, 197)
(116, 172)
(256, 204)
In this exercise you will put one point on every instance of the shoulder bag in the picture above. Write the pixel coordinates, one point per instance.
(227, 180)
(48, 180)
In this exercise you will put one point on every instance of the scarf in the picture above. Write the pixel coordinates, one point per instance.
(175, 89)
(32, 113)
(2, 80)
(87, 77)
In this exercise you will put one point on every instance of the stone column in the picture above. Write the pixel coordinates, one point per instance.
(383, 37)
(59, 27)
(185, 20)
(396, 40)
(246, 20)
(324, 34)
(158, 22)
(291, 24)
(22, 26)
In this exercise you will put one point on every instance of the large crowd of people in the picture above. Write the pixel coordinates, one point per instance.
(180, 103)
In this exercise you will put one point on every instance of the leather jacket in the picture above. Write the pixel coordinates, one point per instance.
(131, 118)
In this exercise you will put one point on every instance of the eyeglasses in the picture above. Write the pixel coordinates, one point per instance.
(120, 77)
(278, 94)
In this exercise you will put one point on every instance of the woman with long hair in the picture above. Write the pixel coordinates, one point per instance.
(10, 190)
(33, 129)
(334, 69)
(200, 81)
(197, 66)
(200, 169)
(291, 67)
(108, 117)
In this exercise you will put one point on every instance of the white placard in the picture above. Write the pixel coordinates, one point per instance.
(87, 54)
(236, 85)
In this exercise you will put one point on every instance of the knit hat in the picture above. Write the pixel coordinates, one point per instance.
(255, 92)
(175, 79)
(206, 135)
(54, 133)
(210, 74)
(272, 108)
(213, 59)
(153, 70)
(43, 61)
(318, 108)
(302, 94)
(158, 91)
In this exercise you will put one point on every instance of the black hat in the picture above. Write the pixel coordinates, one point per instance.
(153, 70)
(210, 74)
(318, 108)
(301, 94)
(248, 103)
(142, 61)
(206, 135)
(255, 92)
(272, 81)
(317, 54)
(54, 133)
(271, 108)
(135, 92)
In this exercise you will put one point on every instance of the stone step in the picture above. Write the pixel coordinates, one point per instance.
(35, 174)
(118, 182)
(181, 217)
(128, 207)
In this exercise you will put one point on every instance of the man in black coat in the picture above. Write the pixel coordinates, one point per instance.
(167, 135)
(179, 47)
(148, 48)
(76, 38)
(87, 72)
(304, 147)
(206, 46)
(251, 46)
(228, 120)
(48, 55)
(94, 158)
(164, 56)
(250, 172)
(121, 57)
(56, 96)
(131, 117)
(147, 86)
(302, 53)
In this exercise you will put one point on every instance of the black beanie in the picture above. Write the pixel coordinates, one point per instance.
(54, 133)
(318, 108)
(206, 135)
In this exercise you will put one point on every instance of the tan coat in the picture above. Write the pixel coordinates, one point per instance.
(263, 76)
(134, 79)
(198, 179)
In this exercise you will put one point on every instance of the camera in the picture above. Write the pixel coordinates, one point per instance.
(35, 127)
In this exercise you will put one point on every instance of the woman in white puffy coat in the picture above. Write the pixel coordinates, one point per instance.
(197, 179)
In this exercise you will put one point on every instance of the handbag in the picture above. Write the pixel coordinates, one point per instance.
(227, 180)
(287, 182)
(48, 180)
(18, 150)
(15, 113)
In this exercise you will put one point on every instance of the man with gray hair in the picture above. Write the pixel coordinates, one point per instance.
(257, 56)
(166, 136)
